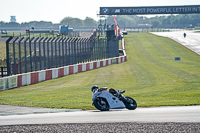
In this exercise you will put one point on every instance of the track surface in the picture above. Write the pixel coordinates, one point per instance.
(182, 119)
(191, 41)
(155, 114)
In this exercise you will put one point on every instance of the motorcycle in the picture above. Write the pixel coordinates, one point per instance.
(104, 100)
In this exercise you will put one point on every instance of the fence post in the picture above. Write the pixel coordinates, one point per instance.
(14, 55)
(59, 58)
(65, 51)
(20, 65)
(25, 55)
(40, 52)
(44, 54)
(48, 62)
(35, 60)
(52, 61)
(7, 56)
(30, 40)
(69, 51)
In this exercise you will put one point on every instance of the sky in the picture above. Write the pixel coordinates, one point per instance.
(56, 10)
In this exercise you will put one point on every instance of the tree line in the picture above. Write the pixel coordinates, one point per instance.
(170, 21)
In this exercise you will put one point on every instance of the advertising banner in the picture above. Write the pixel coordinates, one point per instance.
(150, 10)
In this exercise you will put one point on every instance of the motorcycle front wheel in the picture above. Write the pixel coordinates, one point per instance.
(101, 104)
(131, 104)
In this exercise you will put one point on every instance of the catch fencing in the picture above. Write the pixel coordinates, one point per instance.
(31, 54)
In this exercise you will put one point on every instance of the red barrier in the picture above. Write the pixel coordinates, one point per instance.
(34, 77)
(19, 80)
(125, 59)
(71, 69)
(48, 74)
(121, 59)
(94, 65)
(87, 66)
(107, 62)
(79, 68)
(117, 60)
(60, 72)
(101, 63)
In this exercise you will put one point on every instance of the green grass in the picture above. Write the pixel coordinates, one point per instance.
(150, 76)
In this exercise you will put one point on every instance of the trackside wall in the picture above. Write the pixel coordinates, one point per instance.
(48, 74)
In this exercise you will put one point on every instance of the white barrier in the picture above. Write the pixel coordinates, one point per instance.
(54, 73)
(83, 67)
(12, 81)
(98, 64)
(66, 70)
(76, 68)
(41, 75)
(2, 84)
(91, 65)
(26, 79)
(109, 61)
(119, 60)
(104, 62)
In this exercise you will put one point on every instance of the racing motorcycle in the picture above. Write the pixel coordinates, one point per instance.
(104, 100)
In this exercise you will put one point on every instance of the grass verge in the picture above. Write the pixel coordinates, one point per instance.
(151, 76)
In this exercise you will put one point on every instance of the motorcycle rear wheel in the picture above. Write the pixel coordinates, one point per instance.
(101, 104)
(130, 106)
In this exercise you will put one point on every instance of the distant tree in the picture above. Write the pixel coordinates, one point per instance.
(155, 23)
(90, 22)
(72, 22)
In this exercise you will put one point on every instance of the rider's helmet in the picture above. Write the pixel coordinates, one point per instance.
(94, 87)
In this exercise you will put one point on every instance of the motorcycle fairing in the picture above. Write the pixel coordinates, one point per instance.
(113, 101)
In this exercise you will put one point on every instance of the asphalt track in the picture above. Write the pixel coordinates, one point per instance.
(153, 114)
(191, 41)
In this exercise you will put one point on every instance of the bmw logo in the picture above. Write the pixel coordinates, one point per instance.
(105, 10)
